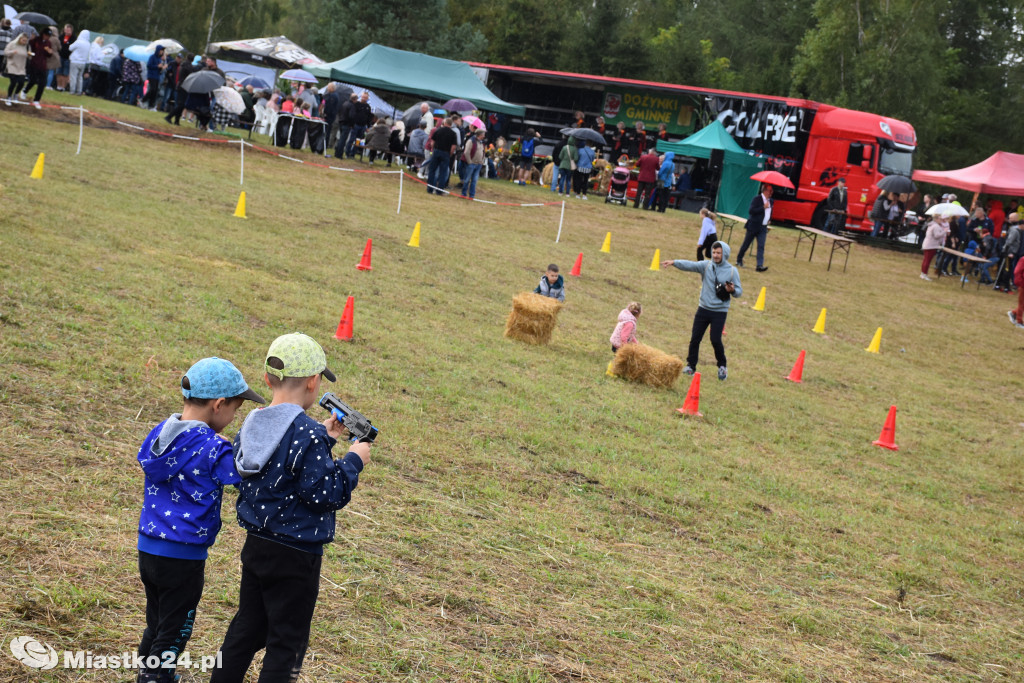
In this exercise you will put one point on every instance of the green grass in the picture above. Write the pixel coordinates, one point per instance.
(525, 518)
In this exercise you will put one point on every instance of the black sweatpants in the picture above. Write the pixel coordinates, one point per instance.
(704, 250)
(701, 321)
(173, 589)
(275, 609)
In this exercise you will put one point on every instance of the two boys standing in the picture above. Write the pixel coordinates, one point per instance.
(290, 487)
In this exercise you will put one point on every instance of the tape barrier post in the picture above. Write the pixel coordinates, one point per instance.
(561, 218)
(401, 178)
(241, 173)
(81, 126)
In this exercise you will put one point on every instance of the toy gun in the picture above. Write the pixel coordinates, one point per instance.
(359, 428)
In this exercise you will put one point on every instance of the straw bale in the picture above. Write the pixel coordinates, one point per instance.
(533, 318)
(646, 364)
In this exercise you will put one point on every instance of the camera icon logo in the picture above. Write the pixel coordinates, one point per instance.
(33, 653)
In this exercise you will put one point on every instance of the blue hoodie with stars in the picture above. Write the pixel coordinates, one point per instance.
(187, 467)
(292, 485)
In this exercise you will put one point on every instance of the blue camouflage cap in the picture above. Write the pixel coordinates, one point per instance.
(216, 378)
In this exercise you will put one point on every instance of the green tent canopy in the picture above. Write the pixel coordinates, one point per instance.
(736, 188)
(385, 68)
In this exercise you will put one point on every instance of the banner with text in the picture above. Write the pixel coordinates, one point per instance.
(677, 112)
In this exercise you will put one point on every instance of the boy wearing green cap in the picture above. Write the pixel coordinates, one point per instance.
(187, 464)
(291, 487)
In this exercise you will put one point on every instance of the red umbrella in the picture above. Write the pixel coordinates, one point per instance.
(773, 178)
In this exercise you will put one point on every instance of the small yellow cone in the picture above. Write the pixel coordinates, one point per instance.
(759, 306)
(819, 326)
(609, 370)
(37, 170)
(240, 208)
(876, 342)
(414, 241)
(656, 261)
(606, 248)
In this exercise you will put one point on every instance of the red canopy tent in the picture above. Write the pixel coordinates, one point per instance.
(1002, 173)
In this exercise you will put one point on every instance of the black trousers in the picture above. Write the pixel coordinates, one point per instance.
(701, 321)
(644, 190)
(704, 250)
(173, 589)
(36, 77)
(275, 609)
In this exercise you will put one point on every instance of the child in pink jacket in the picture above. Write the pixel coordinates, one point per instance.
(625, 330)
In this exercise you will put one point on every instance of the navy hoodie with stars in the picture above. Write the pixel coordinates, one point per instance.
(291, 485)
(187, 467)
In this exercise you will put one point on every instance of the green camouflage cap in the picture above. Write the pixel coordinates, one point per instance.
(301, 355)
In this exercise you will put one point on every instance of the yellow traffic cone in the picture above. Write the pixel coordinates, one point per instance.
(240, 208)
(759, 306)
(606, 248)
(819, 326)
(656, 261)
(876, 342)
(37, 170)
(414, 241)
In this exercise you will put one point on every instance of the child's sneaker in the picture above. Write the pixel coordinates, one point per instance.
(1013, 319)
(925, 277)
(722, 372)
(687, 370)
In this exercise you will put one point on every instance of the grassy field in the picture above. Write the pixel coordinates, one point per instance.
(525, 518)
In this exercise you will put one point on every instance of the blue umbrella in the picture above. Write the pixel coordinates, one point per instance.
(138, 53)
(257, 83)
(298, 75)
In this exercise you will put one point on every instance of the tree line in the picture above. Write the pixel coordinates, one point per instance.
(954, 69)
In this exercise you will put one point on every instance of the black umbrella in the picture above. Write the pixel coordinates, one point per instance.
(34, 18)
(900, 184)
(588, 134)
(411, 117)
(202, 82)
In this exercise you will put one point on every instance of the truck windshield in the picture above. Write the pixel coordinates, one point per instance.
(894, 161)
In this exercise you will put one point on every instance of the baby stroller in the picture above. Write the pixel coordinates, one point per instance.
(617, 187)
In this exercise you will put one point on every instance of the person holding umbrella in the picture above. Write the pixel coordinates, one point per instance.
(155, 66)
(759, 214)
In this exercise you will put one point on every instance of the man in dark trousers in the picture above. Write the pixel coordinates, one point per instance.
(647, 178)
(361, 116)
(836, 206)
(331, 104)
(760, 213)
(444, 143)
(345, 123)
(186, 69)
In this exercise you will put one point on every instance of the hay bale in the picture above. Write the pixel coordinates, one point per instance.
(533, 318)
(646, 364)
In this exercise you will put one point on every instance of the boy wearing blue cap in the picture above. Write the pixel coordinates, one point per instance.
(187, 464)
(291, 488)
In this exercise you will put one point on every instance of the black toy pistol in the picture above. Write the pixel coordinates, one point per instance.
(359, 428)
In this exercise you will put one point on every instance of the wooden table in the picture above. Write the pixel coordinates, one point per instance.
(967, 257)
(812, 234)
(732, 221)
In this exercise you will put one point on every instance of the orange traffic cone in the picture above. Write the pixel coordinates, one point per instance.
(888, 437)
(575, 272)
(364, 263)
(691, 406)
(344, 332)
(797, 373)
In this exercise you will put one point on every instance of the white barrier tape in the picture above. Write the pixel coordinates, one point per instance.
(129, 125)
(298, 161)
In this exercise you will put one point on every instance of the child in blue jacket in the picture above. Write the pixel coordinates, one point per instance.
(186, 464)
